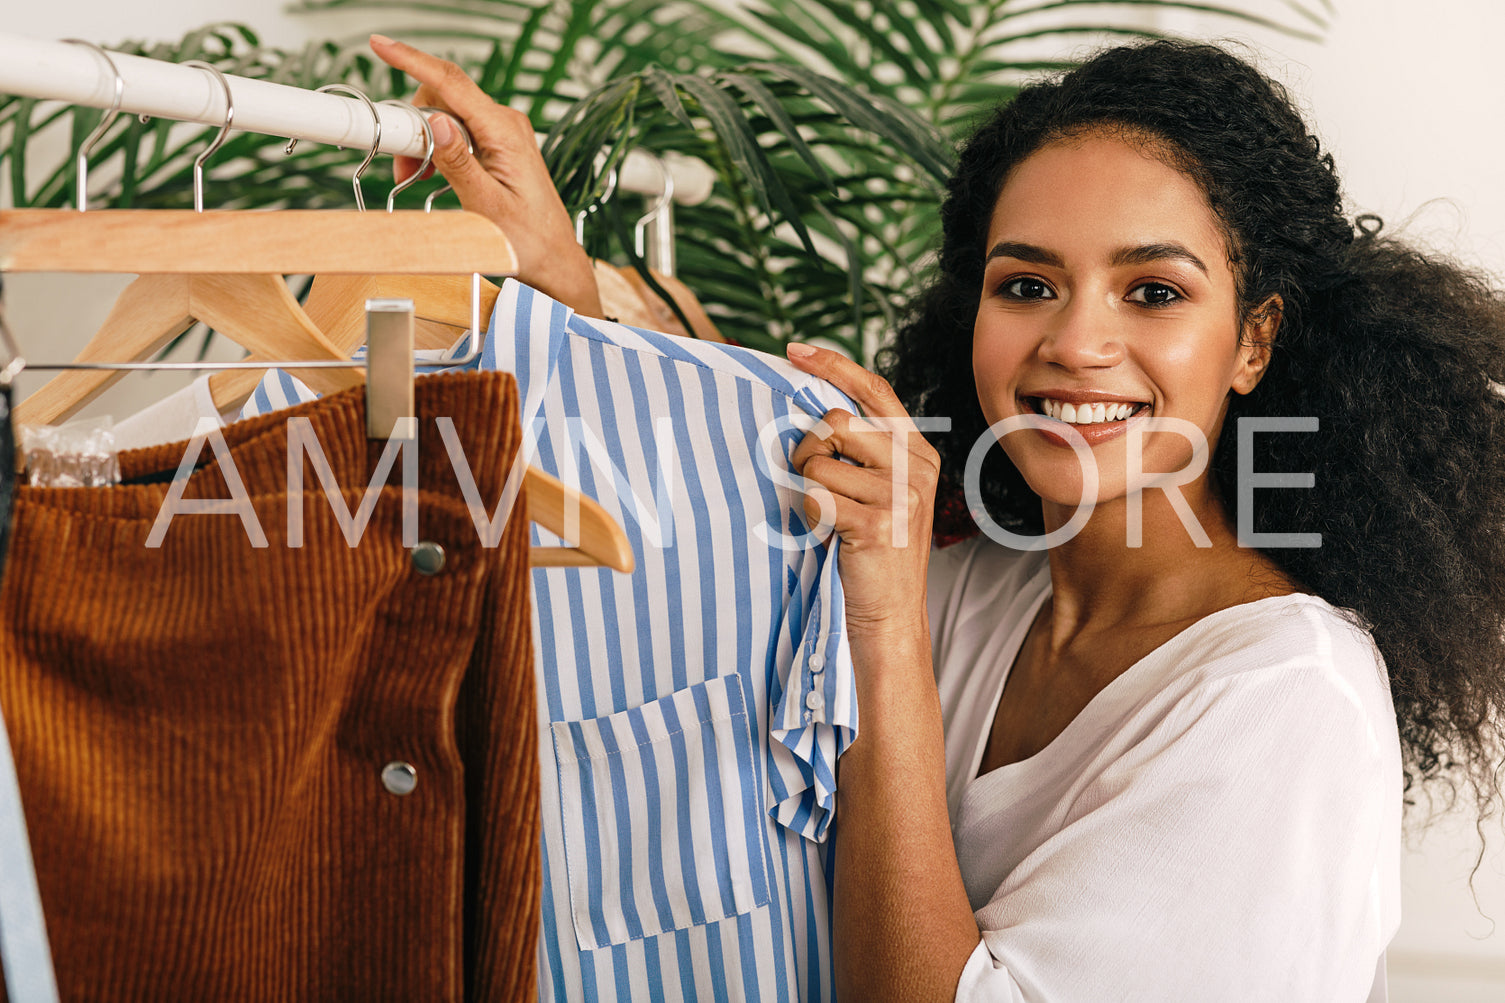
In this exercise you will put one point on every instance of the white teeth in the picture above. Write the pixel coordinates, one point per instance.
(1085, 414)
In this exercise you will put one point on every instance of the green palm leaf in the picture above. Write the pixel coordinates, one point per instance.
(828, 123)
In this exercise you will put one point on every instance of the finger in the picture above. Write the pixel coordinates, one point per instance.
(504, 139)
(819, 507)
(426, 97)
(478, 191)
(869, 442)
(873, 443)
(816, 442)
(404, 166)
(868, 487)
(442, 86)
(442, 78)
(860, 525)
(871, 391)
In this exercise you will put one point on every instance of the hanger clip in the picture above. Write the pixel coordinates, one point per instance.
(389, 370)
(79, 454)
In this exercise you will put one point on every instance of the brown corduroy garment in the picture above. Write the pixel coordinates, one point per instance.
(201, 729)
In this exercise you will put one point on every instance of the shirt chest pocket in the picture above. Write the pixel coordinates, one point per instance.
(663, 815)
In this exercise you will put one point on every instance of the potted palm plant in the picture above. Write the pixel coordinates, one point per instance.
(828, 123)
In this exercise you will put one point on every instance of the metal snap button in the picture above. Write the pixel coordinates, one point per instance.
(399, 778)
(428, 558)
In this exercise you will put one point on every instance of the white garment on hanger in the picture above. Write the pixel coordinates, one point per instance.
(171, 419)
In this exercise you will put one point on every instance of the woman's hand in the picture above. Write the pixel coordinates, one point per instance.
(902, 927)
(505, 180)
(879, 503)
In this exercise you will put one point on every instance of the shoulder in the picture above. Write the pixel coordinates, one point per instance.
(1286, 681)
(1273, 712)
(1282, 635)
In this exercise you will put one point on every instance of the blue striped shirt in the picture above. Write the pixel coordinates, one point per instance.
(693, 711)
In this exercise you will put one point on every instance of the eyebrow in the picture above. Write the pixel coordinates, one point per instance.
(1141, 254)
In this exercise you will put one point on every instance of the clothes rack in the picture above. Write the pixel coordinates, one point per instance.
(61, 71)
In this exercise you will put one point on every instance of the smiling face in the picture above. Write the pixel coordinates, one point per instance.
(1107, 298)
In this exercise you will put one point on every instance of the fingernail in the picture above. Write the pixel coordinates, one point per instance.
(443, 131)
(797, 351)
(381, 39)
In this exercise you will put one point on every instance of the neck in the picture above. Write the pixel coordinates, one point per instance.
(1098, 579)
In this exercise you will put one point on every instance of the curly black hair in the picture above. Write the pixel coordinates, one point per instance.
(1399, 355)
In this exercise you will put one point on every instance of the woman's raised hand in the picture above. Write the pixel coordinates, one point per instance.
(875, 480)
(505, 180)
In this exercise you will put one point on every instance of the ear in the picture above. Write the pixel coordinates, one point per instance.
(1257, 343)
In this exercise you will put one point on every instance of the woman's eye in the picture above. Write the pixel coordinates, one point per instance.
(1027, 288)
(1154, 294)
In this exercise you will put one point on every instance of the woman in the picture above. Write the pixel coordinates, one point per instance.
(1166, 759)
(1171, 767)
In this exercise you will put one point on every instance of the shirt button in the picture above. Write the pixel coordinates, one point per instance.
(817, 662)
(399, 778)
(428, 558)
(815, 700)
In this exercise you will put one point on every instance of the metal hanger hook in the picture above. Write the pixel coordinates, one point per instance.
(224, 130)
(81, 195)
(597, 203)
(665, 196)
(470, 147)
(428, 156)
(360, 198)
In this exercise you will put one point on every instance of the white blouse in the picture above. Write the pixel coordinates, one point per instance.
(1222, 821)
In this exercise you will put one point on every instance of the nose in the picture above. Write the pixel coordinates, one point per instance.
(1082, 334)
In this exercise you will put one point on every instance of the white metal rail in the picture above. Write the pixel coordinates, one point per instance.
(77, 75)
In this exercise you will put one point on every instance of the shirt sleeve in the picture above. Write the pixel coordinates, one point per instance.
(813, 703)
(1240, 850)
(813, 713)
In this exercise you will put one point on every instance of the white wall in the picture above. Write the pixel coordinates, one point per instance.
(105, 22)
(1411, 99)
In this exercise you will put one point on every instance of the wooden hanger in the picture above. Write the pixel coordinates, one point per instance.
(257, 312)
(621, 301)
(442, 309)
(226, 268)
(336, 305)
(336, 302)
(441, 305)
(662, 315)
(223, 268)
